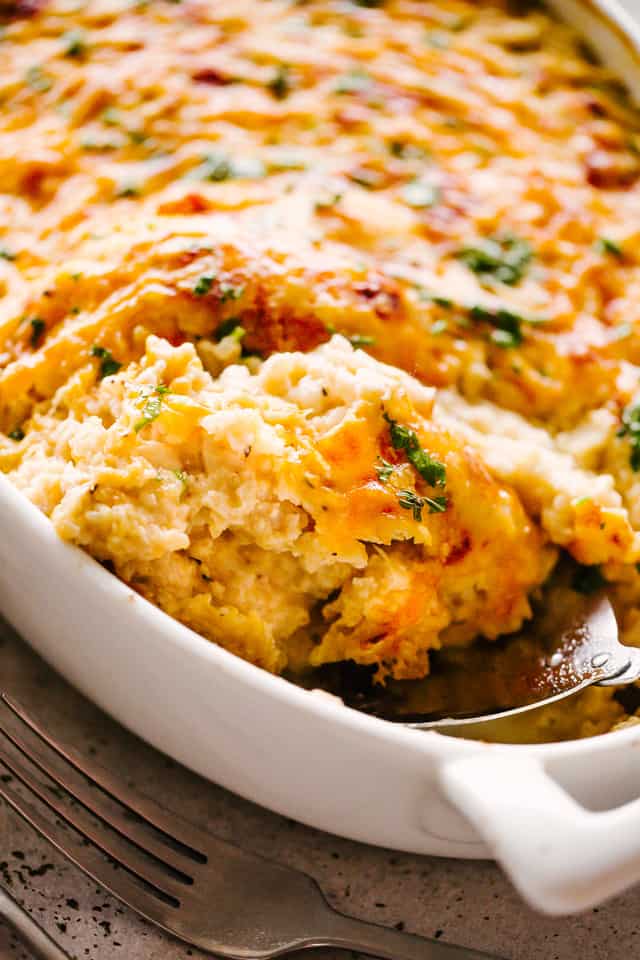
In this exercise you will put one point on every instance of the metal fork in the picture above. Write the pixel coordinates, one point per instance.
(203, 890)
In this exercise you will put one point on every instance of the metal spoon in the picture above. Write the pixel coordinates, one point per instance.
(482, 685)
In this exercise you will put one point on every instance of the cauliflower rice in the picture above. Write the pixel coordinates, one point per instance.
(320, 323)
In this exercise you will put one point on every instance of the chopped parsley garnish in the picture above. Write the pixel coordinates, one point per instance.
(384, 470)
(410, 500)
(108, 365)
(359, 340)
(230, 292)
(280, 84)
(128, 190)
(631, 428)
(38, 80)
(508, 325)
(216, 167)
(181, 476)
(437, 39)
(505, 258)
(328, 201)
(227, 327)
(7, 254)
(431, 470)
(443, 302)
(420, 195)
(353, 81)
(152, 408)
(588, 579)
(111, 116)
(16, 434)
(38, 328)
(203, 285)
(74, 43)
(606, 245)
(364, 177)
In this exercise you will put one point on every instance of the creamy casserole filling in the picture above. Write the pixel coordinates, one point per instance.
(320, 322)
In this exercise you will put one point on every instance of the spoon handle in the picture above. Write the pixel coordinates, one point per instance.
(629, 675)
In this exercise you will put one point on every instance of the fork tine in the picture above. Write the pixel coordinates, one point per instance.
(90, 795)
(111, 843)
(170, 826)
(89, 860)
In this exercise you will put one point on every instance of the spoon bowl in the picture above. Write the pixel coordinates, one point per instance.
(470, 690)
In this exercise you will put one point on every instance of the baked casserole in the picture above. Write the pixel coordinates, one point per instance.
(320, 321)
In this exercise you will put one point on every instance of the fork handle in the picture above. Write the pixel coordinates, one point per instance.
(349, 934)
(30, 932)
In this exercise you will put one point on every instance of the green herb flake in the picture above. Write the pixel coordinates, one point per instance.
(6, 254)
(506, 339)
(631, 428)
(280, 84)
(152, 408)
(203, 285)
(181, 476)
(588, 579)
(38, 328)
(230, 292)
(443, 302)
(227, 328)
(38, 80)
(354, 81)
(410, 500)
(437, 39)
(74, 43)
(505, 258)
(108, 365)
(369, 179)
(608, 246)
(16, 435)
(384, 470)
(128, 189)
(420, 195)
(359, 340)
(431, 470)
(111, 116)
(328, 202)
(508, 325)
(215, 167)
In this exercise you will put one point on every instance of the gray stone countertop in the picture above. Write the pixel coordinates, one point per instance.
(466, 902)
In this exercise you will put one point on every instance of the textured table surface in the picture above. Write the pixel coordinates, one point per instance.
(461, 902)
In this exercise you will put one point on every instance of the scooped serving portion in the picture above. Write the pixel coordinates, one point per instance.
(320, 322)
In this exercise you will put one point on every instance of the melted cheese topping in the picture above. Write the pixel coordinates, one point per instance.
(454, 187)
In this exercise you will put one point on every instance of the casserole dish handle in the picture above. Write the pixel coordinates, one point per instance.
(561, 857)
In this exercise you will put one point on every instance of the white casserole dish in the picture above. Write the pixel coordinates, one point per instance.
(562, 819)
